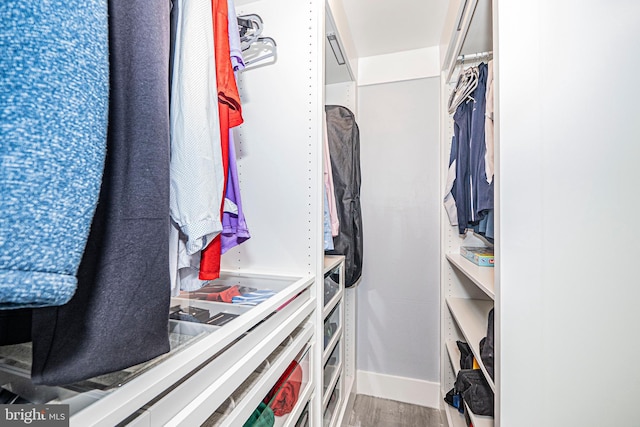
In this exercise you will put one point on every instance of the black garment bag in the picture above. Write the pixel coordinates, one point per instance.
(344, 149)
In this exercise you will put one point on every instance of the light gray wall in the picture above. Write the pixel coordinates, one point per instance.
(398, 297)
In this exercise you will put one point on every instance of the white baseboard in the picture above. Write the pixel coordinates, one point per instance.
(401, 389)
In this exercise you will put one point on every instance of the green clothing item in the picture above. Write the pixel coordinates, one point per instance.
(261, 417)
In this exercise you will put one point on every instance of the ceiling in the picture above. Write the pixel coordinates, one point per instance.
(379, 27)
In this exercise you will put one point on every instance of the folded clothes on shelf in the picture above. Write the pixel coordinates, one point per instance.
(189, 314)
(220, 292)
(253, 298)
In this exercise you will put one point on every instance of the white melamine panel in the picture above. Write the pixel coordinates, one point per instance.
(278, 146)
(344, 94)
(569, 183)
(483, 277)
(454, 418)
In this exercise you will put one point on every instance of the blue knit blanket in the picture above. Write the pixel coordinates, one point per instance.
(54, 83)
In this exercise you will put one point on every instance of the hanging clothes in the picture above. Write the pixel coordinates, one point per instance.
(482, 191)
(197, 173)
(449, 190)
(234, 225)
(462, 188)
(471, 189)
(235, 48)
(488, 126)
(326, 223)
(123, 281)
(54, 94)
(344, 147)
(230, 115)
(329, 188)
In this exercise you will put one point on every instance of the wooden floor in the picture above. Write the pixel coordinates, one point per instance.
(375, 412)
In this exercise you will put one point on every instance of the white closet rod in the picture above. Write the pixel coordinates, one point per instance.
(474, 56)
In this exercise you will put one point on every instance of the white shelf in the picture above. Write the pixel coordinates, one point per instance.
(198, 409)
(483, 277)
(454, 356)
(326, 311)
(454, 418)
(331, 262)
(479, 420)
(332, 345)
(265, 381)
(332, 385)
(471, 316)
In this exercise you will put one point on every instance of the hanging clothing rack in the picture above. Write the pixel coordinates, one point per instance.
(467, 79)
(474, 57)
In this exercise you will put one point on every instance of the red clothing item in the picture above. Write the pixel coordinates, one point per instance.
(283, 396)
(230, 112)
(224, 296)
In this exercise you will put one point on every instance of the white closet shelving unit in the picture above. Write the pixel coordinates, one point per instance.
(218, 375)
(338, 357)
(333, 353)
(468, 291)
(566, 175)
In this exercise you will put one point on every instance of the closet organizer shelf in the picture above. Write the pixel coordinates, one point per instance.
(331, 386)
(456, 419)
(332, 345)
(332, 303)
(332, 409)
(471, 316)
(335, 357)
(252, 391)
(332, 265)
(483, 277)
(110, 399)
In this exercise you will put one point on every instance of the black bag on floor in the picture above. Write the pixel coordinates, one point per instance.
(475, 391)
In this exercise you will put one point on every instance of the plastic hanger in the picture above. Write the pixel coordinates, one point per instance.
(250, 27)
(466, 84)
(255, 55)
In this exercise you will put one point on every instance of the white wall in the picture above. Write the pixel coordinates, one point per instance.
(399, 66)
(569, 148)
(398, 297)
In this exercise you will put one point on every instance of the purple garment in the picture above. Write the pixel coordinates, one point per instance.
(234, 226)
